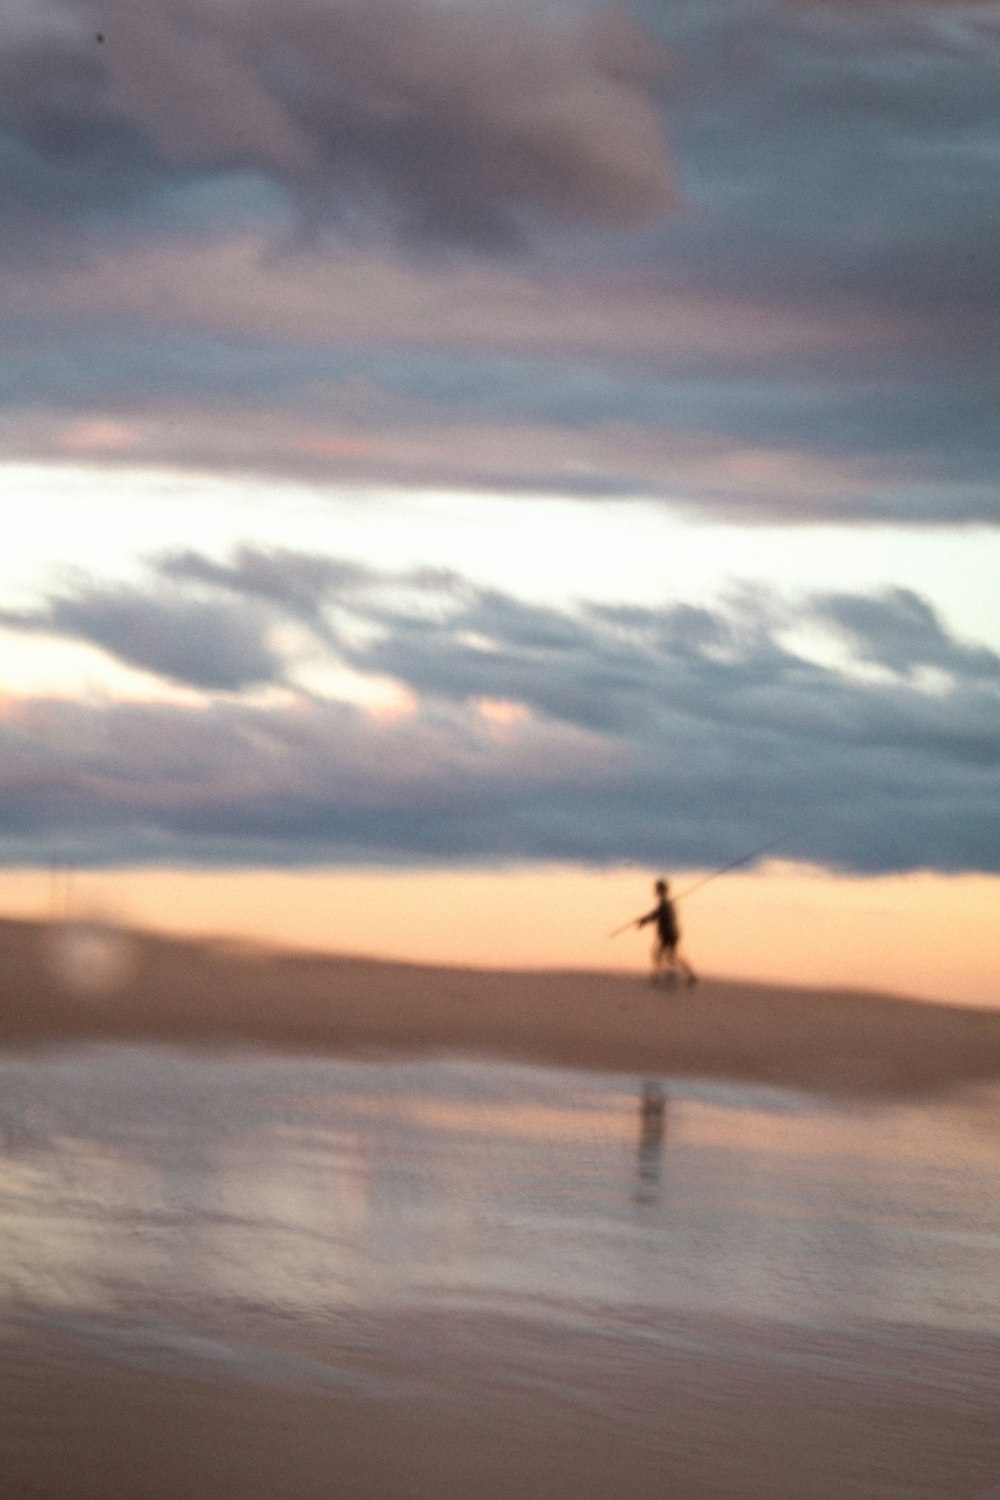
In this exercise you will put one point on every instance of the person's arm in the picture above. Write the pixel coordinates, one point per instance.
(650, 916)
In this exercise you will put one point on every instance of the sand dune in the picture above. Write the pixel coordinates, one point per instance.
(58, 984)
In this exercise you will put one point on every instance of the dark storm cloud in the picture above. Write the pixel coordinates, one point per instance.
(597, 733)
(223, 218)
(451, 122)
(932, 422)
(850, 151)
(781, 442)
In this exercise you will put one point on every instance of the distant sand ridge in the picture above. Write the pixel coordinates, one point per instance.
(60, 984)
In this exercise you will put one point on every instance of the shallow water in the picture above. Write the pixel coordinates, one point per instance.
(182, 1209)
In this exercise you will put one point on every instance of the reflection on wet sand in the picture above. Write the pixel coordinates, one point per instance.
(302, 1184)
(451, 1252)
(652, 1131)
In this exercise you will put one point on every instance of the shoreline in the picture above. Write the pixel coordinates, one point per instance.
(154, 988)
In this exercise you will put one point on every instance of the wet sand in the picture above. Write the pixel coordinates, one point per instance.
(495, 1411)
(456, 1400)
(845, 1042)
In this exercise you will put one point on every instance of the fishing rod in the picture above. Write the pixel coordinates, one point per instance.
(745, 860)
(624, 928)
(735, 864)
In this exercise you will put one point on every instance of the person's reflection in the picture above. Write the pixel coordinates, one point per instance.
(652, 1128)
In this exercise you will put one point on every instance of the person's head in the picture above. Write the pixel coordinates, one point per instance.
(662, 887)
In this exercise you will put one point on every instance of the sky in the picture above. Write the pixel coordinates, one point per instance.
(459, 445)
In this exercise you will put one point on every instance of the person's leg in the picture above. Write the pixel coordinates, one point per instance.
(685, 968)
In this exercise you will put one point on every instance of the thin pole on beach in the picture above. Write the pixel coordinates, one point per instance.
(735, 864)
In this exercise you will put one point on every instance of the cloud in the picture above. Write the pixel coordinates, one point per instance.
(848, 150)
(295, 583)
(361, 366)
(451, 123)
(200, 643)
(307, 300)
(901, 631)
(428, 244)
(763, 443)
(670, 735)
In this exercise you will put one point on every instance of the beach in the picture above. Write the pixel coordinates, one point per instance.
(280, 1227)
(695, 1428)
(217, 993)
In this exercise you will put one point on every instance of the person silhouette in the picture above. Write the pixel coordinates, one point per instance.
(667, 959)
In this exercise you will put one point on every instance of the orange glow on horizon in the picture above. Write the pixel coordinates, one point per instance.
(927, 935)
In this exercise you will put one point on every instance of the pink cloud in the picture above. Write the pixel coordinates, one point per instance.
(510, 106)
(96, 436)
(239, 287)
